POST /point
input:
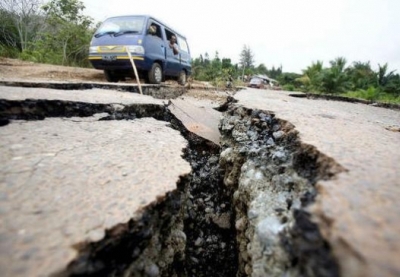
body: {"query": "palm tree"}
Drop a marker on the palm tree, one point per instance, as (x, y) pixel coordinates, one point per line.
(339, 63)
(335, 79)
(383, 76)
(311, 78)
(388, 82)
(361, 75)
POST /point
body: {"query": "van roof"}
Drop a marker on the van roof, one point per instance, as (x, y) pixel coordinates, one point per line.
(149, 17)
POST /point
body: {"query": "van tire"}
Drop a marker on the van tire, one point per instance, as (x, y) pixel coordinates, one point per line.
(110, 76)
(182, 78)
(155, 74)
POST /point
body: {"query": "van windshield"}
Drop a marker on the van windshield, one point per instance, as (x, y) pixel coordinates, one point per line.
(121, 25)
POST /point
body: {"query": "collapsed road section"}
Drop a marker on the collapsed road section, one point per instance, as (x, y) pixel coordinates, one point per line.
(239, 211)
(273, 177)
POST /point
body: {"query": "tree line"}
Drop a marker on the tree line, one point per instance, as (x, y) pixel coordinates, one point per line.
(58, 32)
(206, 69)
(358, 79)
(340, 78)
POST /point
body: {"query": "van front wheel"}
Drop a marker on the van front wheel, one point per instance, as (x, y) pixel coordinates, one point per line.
(110, 76)
(155, 74)
(182, 78)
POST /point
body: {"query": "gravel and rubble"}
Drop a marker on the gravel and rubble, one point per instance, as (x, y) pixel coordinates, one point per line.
(273, 177)
(356, 210)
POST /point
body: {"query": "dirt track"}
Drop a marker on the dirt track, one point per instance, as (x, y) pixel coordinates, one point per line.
(17, 69)
(12, 69)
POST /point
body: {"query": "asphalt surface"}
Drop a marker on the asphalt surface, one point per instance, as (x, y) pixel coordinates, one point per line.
(54, 191)
(199, 119)
(357, 211)
(64, 181)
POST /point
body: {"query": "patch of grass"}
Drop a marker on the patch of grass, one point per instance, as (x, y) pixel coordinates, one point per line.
(288, 87)
(388, 98)
(373, 94)
(8, 52)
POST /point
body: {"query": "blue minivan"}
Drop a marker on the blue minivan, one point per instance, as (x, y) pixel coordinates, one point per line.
(157, 50)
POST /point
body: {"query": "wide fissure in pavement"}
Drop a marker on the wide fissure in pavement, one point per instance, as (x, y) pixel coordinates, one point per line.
(241, 212)
(273, 176)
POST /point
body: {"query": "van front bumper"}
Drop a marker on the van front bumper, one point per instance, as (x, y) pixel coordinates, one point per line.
(113, 62)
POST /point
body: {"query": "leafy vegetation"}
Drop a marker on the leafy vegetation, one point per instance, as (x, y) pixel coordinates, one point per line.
(219, 71)
(58, 32)
(373, 94)
(358, 80)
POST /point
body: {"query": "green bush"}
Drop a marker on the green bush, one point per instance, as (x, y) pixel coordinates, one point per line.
(389, 98)
(8, 52)
(218, 82)
(31, 56)
(289, 87)
(371, 94)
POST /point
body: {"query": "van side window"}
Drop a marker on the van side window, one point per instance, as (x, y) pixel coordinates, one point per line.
(182, 44)
(154, 30)
(169, 34)
(173, 42)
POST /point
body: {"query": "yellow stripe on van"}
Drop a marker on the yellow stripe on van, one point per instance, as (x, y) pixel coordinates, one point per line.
(127, 57)
(118, 58)
(111, 49)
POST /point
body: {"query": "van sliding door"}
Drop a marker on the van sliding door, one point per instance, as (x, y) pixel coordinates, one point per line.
(172, 66)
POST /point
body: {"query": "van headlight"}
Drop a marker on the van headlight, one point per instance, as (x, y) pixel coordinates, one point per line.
(137, 49)
(93, 50)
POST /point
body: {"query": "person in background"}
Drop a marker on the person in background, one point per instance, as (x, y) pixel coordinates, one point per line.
(173, 45)
(229, 81)
(153, 29)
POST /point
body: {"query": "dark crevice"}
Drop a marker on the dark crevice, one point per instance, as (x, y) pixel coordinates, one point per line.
(31, 109)
(221, 219)
(224, 106)
(309, 252)
(209, 218)
(274, 176)
(176, 236)
(123, 248)
(40, 109)
(4, 122)
(162, 241)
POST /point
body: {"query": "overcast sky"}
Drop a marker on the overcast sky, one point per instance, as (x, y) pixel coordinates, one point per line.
(291, 33)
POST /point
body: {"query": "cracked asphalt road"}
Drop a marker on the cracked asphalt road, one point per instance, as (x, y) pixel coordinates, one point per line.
(65, 181)
(357, 211)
